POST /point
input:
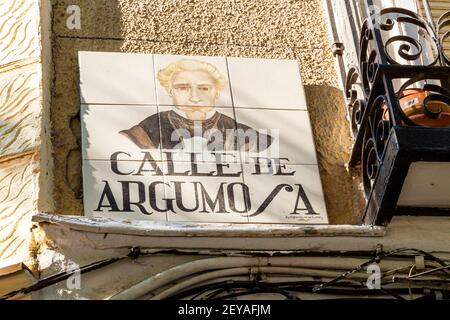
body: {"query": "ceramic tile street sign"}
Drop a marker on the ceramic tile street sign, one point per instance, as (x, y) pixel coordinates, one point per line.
(197, 139)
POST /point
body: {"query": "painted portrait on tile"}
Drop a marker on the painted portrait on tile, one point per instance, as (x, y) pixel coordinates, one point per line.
(194, 87)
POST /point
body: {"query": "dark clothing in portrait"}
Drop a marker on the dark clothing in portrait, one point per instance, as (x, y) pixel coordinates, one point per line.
(168, 129)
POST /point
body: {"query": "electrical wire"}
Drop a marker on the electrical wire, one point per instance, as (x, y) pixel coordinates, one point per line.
(379, 255)
(46, 282)
(427, 272)
(254, 286)
(249, 271)
(287, 295)
(336, 285)
(377, 259)
(203, 292)
(247, 287)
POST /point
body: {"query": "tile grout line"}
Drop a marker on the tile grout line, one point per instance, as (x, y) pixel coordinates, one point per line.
(235, 124)
(169, 105)
(205, 162)
(160, 129)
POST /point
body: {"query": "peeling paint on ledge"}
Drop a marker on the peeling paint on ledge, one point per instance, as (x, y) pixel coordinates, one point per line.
(160, 229)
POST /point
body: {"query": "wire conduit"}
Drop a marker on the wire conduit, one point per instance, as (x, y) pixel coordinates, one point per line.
(166, 277)
(250, 271)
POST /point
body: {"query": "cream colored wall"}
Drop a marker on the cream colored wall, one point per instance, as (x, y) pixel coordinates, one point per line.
(439, 8)
(269, 29)
(265, 28)
(285, 29)
(25, 163)
(78, 242)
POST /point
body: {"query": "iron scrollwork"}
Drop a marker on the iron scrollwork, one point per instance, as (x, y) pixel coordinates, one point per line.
(402, 80)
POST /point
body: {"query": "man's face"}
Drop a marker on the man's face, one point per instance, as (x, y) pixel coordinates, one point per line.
(193, 92)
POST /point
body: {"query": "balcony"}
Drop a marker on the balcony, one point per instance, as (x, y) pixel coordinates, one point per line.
(399, 107)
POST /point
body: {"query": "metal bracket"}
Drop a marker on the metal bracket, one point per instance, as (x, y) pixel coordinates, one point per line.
(338, 48)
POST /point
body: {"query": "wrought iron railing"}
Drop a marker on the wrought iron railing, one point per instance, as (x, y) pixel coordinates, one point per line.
(401, 58)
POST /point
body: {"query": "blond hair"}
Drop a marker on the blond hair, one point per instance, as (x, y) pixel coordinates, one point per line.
(165, 75)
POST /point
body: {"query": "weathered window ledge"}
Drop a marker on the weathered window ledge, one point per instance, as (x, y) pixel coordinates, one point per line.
(189, 229)
(112, 236)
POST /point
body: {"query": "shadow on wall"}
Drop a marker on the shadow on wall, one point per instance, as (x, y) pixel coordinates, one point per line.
(327, 111)
(65, 104)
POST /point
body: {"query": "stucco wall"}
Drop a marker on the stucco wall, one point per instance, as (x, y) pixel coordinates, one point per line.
(288, 29)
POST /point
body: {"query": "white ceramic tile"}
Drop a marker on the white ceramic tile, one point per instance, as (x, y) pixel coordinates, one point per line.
(280, 134)
(211, 137)
(287, 204)
(266, 83)
(121, 91)
(116, 78)
(208, 193)
(426, 185)
(200, 88)
(107, 193)
(103, 131)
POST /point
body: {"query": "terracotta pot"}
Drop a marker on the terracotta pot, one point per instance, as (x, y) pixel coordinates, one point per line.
(411, 103)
